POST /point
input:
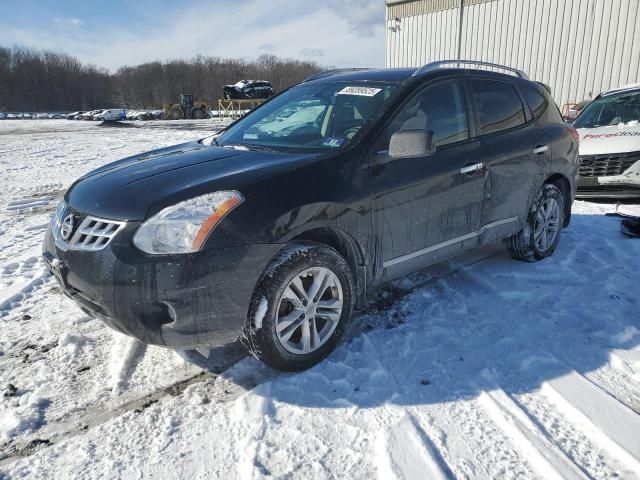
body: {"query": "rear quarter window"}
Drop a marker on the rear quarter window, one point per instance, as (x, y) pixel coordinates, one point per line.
(498, 105)
(536, 101)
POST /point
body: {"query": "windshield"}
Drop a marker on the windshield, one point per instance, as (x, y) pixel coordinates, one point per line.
(617, 109)
(310, 117)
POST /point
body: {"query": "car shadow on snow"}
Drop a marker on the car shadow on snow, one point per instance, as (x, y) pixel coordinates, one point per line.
(459, 328)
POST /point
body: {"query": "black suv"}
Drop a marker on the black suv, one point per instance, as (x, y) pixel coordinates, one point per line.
(248, 89)
(274, 230)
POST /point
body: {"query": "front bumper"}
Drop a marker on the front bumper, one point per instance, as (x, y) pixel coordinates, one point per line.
(592, 187)
(179, 301)
(626, 185)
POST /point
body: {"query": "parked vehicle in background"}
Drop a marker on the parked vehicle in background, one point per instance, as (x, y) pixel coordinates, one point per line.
(27, 116)
(248, 89)
(158, 114)
(3, 115)
(609, 129)
(13, 116)
(111, 115)
(89, 115)
(144, 115)
(188, 108)
(275, 230)
(96, 113)
(42, 116)
(74, 115)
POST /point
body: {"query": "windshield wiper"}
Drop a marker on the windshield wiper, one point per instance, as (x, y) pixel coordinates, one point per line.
(249, 146)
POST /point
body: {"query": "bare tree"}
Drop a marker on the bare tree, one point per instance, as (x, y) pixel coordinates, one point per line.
(35, 80)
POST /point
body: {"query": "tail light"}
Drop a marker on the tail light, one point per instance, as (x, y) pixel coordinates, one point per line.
(574, 133)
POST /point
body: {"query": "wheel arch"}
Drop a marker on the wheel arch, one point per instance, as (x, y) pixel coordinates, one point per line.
(346, 246)
(563, 184)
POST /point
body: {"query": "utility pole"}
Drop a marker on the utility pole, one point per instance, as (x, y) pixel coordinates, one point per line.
(460, 30)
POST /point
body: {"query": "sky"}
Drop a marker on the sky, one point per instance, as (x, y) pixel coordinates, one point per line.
(110, 34)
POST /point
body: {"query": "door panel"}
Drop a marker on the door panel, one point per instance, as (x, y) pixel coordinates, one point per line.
(515, 174)
(507, 149)
(424, 208)
(424, 202)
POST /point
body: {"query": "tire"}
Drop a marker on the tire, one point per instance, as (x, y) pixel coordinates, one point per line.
(197, 114)
(299, 265)
(174, 114)
(532, 243)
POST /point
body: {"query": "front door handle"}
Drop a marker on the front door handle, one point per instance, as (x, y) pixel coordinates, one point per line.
(540, 149)
(472, 168)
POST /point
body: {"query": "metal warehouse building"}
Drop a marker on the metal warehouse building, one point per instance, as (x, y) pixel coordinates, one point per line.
(578, 47)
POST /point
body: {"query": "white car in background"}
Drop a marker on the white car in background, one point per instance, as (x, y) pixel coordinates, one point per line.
(74, 115)
(609, 129)
(111, 115)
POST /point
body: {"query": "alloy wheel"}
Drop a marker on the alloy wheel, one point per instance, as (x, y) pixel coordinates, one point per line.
(547, 224)
(309, 310)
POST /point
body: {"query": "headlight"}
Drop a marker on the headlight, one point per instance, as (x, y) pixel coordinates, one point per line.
(184, 227)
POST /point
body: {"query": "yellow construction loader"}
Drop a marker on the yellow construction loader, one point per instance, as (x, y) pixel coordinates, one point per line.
(189, 107)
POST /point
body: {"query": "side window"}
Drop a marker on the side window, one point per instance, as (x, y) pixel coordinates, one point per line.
(498, 104)
(536, 101)
(439, 108)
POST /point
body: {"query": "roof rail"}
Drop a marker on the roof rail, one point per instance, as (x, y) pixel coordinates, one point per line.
(335, 71)
(429, 67)
(633, 86)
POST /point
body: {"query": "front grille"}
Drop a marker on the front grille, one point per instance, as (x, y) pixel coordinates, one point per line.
(607, 165)
(94, 233)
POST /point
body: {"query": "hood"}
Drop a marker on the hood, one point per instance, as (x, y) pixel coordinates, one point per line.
(609, 139)
(134, 188)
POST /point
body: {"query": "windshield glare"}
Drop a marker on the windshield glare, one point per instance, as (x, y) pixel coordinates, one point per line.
(310, 117)
(617, 109)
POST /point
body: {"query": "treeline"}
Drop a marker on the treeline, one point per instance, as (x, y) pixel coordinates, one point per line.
(32, 80)
(36, 80)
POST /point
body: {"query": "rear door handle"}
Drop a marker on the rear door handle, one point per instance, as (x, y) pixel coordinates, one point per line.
(472, 168)
(540, 149)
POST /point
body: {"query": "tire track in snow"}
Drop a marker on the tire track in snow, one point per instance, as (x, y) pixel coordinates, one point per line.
(612, 425)
(406, 452)
(594, 428)
(535, 446)
(221, 391)
(588, 396)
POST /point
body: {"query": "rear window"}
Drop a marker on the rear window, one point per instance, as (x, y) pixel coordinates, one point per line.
(498, 104)
(536, 101)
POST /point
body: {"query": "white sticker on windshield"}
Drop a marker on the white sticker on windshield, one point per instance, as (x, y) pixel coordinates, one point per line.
(361, 91)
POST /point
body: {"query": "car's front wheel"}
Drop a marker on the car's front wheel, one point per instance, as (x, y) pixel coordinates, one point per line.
(197, 114)
(300, 308)
(541, 234)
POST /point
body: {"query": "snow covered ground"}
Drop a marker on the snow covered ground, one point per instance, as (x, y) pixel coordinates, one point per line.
(482, 367)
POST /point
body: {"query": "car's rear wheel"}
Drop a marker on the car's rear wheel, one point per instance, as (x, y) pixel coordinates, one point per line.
(541, 234)
(300, 308)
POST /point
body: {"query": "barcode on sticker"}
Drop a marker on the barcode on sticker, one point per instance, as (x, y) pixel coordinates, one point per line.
(362, 91)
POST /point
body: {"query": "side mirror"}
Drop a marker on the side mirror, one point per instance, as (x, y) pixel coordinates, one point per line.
(572, 114)
(412, 144)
